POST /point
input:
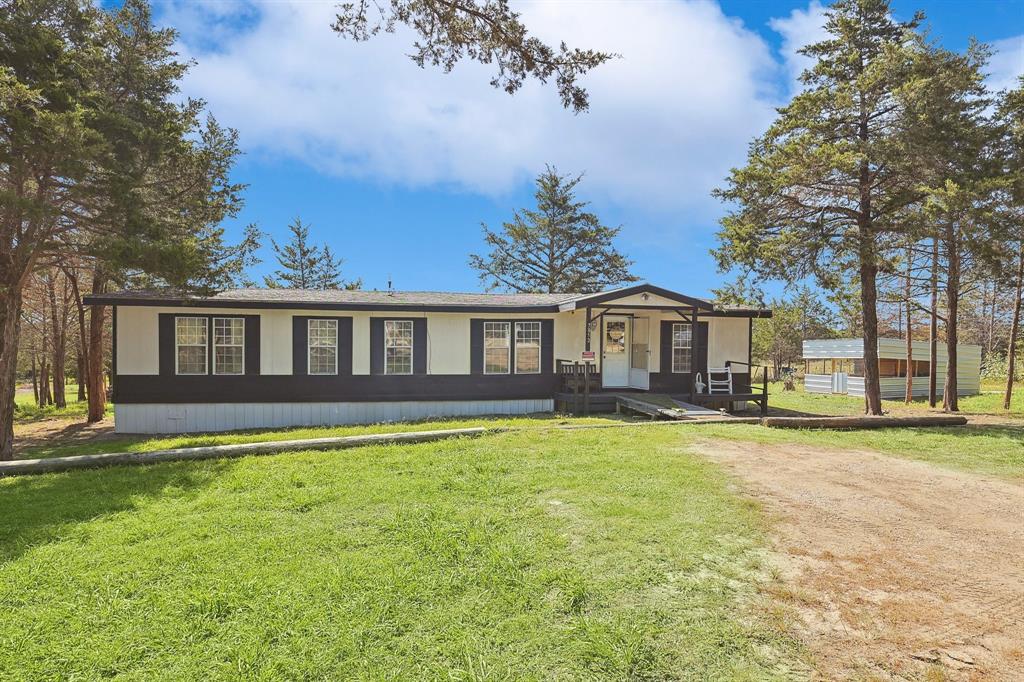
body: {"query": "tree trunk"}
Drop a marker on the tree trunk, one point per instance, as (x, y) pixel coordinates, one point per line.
(80, 375)
(1011, 353)
(949, 391)
(868, 273)
(10, 328)
(97, 392)
(95, 389)
(933, 330)
(45, 397)
(59, 336)
(35, 380)
(909, 397)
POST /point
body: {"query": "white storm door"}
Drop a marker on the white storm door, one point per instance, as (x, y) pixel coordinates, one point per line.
(615, 352)
(640, 353)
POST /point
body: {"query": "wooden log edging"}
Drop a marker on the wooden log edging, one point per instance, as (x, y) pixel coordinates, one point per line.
(862, 422)
(54, 464)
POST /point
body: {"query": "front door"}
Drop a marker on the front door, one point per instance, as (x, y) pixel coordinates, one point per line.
(615, 352)
(639, 353)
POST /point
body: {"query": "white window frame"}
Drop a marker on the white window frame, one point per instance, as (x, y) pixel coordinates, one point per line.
(412, 346)
(540, 344)
(206, 346)
(309, 347)
(674, 348)
(212, 331)
(508, 347)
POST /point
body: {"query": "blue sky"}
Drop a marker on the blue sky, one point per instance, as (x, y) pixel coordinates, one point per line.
(396, 167)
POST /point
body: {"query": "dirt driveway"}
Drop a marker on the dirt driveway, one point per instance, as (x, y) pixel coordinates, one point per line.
(897, 569)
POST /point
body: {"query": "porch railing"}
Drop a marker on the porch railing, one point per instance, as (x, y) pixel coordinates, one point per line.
(750, 387)
(578, 378)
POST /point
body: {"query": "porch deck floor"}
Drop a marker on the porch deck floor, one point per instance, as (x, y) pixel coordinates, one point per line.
(655, 405)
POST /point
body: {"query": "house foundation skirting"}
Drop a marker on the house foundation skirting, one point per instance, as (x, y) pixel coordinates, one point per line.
(204, 417)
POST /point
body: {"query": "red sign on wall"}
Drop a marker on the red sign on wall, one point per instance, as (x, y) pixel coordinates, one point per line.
(588, 355)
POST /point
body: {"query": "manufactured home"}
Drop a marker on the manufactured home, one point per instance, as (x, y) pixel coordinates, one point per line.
(837, 366)
(252, 358)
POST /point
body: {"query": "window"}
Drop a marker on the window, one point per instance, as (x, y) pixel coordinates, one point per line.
(922, 368)
(527, 347)
(497, 346)
(682, 341)
(615, 337)
(228, 345)
(398, 346)
(190, 345)
(322, 339)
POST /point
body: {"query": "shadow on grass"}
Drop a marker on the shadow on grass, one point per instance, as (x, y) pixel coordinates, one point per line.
(36, 510)
(1008, 431)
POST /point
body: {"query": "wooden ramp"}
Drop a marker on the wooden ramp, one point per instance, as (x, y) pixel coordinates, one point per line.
(661, 406)
(652, 404)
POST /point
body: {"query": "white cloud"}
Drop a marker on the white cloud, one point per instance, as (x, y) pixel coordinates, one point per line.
(799, 29)
(1007, 63)
(666, 121)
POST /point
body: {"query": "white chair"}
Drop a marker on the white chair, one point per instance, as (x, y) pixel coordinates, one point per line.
(717, 384)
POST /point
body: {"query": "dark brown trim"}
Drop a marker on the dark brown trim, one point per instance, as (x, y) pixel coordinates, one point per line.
(757, 314)
(165, 343)
(601, 297)
(300, 345)
(750, 345)
(420, 338)
(273, 388)
(476, 346)
(113, 354)
(423, 308)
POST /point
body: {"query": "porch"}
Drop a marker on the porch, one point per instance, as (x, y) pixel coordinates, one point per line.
(581, 392)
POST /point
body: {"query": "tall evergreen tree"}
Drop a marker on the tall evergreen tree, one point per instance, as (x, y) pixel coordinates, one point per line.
(951, 137)
(305, 265)
(101, 161)
(559, 246)
(1011, 213)
(824, 187)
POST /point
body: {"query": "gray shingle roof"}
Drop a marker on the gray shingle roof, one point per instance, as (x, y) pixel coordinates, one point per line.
(343, 297)
(391, 300)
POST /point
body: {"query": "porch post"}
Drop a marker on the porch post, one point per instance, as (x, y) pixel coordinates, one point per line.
(694, 337)
(587, 338)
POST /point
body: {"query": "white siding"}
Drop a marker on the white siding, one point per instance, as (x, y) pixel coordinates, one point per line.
(205, 417)
(448, 337)
(728, 339)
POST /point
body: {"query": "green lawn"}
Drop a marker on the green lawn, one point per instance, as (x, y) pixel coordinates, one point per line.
(143, 443)
(983, 447)
(26, 410)
(996, 449)
(604, 553)
(989, 402)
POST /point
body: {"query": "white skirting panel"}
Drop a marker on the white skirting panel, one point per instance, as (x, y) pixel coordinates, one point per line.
(818, 383)
(204, 417)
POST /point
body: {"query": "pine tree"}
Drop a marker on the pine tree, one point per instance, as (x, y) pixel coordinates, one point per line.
(823, 189)
(328, 273)
(557, 247)
(305, 265)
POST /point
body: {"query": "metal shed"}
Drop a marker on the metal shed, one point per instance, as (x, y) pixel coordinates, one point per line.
(837, 366)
